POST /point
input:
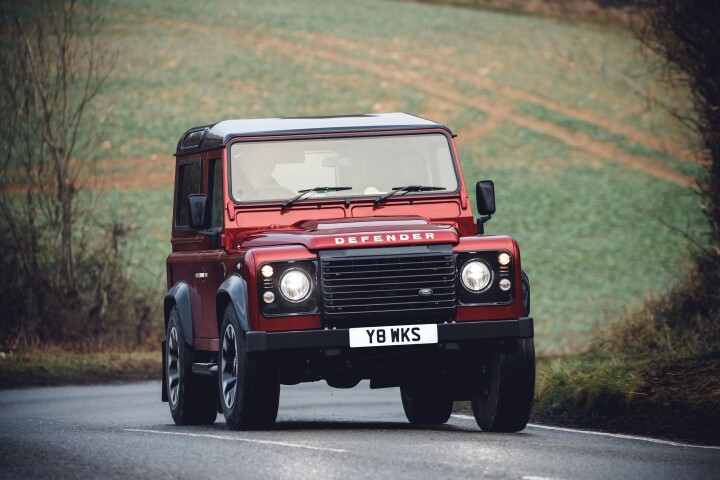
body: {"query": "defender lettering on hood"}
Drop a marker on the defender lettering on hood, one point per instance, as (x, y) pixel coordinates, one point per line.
(402, 237)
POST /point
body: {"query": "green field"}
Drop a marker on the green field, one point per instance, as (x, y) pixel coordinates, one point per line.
(570, 122)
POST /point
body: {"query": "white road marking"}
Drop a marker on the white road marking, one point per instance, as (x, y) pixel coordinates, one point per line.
(239, 439)
(530, 477)
(606, 434)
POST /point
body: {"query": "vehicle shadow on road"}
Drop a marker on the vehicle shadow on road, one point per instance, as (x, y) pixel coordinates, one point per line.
(369, 425)
(333, 425)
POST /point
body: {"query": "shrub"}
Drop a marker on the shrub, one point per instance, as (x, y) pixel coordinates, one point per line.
(61, 268)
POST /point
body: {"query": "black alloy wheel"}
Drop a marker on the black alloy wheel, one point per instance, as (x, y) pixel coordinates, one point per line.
(249, 387)
(192, 397)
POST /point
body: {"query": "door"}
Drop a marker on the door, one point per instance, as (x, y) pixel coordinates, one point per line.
(187, 244)
(211, 267)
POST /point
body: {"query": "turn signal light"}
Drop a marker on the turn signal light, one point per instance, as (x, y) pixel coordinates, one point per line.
(267, 271)
(503, 259)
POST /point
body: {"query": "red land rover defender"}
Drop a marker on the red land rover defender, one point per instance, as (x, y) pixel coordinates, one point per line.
(339, 249)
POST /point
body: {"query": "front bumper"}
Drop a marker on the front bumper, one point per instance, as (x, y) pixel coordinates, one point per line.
(340, 337)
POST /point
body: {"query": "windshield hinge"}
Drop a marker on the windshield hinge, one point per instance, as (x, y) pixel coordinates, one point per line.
(231, 211)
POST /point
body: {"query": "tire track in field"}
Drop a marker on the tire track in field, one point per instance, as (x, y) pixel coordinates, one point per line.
(156, 170)
(153, 171)
(500, 112)
(434, 88)
(629, 132)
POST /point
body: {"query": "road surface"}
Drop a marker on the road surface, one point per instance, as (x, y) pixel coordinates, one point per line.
(126, 432)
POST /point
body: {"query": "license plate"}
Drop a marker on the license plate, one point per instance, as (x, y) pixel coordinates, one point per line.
(394, 335)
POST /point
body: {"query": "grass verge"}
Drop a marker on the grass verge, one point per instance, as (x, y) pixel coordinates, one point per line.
(41, 367)
(675, 398)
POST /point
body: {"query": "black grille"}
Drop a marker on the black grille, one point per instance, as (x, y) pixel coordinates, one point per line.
(417, 281)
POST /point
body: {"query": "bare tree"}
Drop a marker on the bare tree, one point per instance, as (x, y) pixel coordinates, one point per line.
(684, 34)
(53, 67)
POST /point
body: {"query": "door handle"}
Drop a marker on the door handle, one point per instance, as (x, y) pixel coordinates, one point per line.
(201, 275)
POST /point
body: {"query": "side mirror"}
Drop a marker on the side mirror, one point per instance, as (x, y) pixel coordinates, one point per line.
(485, 194)
(199, 214)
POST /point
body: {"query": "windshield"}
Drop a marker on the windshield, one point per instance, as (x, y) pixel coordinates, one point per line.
(371, 166)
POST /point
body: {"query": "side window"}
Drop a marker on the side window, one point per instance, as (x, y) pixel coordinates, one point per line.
(215, 187)
(188, 182)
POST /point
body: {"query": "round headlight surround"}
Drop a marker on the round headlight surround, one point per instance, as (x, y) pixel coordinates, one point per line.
(476, 276)
(295, 285)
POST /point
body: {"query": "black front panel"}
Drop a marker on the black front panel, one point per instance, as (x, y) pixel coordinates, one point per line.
(369, 285)
(281, 306)
(493, 295)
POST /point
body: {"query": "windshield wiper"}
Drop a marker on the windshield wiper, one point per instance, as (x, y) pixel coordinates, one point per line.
(303, 194)
(406, 189)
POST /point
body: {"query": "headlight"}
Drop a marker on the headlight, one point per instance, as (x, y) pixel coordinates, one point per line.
(476, 276)
(295, 285)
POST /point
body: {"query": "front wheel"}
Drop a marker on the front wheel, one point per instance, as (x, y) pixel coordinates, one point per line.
(425, 403)
(249, 387)
(502, 394)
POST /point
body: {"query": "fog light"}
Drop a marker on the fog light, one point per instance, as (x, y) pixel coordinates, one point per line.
(505, 285)
(267, 271)
(269, 297)
(503, 259)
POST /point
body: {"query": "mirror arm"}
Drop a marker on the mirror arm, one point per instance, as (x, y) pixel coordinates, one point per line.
(481, 223)
(214, 235)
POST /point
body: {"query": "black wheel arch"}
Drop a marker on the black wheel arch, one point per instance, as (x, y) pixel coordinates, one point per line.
(179, 296)
(525, 293)
(233, 291)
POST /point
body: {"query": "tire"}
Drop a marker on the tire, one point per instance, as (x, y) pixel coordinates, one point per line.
(502, 395)
(525, 294)
(424, 403)
(249, 387)
(192, 398)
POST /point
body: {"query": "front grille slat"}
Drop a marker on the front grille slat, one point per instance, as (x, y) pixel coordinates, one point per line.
(386, 272)
(349, 278)
(375, 284)
(439, 297)
(384, 267)
(386, 305)
(438, 290)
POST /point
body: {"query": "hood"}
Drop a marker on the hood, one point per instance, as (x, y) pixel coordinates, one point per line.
(355, 232)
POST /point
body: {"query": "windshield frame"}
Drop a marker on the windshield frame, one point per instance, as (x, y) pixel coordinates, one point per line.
(345, 198)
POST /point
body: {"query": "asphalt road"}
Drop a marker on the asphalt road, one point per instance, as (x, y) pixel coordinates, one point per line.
(126, 432)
